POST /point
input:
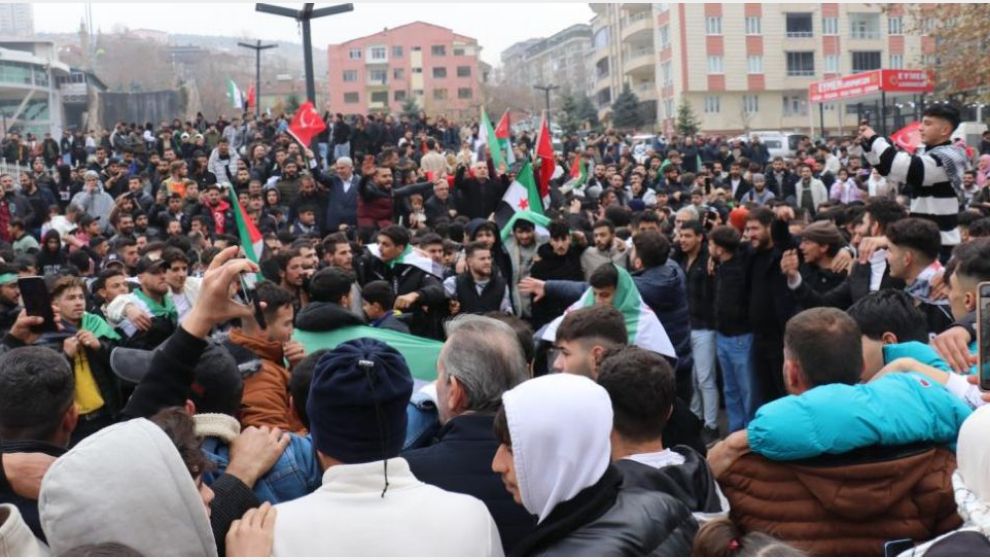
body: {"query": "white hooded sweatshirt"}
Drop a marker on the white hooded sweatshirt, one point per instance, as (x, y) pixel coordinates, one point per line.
(125, 484)
(560, 426)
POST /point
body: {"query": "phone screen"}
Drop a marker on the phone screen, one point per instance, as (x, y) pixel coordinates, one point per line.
(37, 302)
(983, 333)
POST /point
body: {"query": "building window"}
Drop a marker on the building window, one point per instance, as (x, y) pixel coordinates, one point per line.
(399, 95)
(398, 74)
(795, 105)
(801, 63)
(832, 63)
(712, 104)
(377, 76)
(418, 92)
(459, 51)
(417, 49)
(799, 25)
(463, 71)
(438, 50)
(715, 65)
(378, 53)
(669, 108)
(465, 93)
(754, 64)
(662, 6)
(830, 26)
(895, 25)
(864, 26)
(601, 69)
(751, 103)
(928, 25)
(897, 61)
(439, 72)
(417, 70)
(354, 54)
(379, 97)
(753, 25)
(600, 40)
(439, 94)
(604, 97)
(863, 61)
(350, 75)
(396, 52)
(663, 37)
(713, 25)
(351, 97)
(667, 73)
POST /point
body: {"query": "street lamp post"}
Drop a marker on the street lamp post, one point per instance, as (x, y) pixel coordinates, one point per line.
(304, 16)
(257, 71)
(546, 92)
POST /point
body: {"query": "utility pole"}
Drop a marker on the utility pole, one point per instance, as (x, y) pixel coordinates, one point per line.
(546, 92)
(304, 16)
(257, 71)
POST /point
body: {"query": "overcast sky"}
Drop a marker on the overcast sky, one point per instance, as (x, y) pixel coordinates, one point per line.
(495, 25)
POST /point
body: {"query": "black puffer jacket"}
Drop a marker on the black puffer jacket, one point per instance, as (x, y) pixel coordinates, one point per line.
(691, 482)
(612, 520)
(321, 316)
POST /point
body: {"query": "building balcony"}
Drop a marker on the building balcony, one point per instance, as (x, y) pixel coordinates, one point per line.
(640, 62)
(639, 26)
(645, 91)
(632, 8)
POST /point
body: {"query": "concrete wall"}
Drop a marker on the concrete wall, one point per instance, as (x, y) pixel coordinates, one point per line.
(142, 107)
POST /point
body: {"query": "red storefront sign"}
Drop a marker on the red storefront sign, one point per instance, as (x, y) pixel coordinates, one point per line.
(866, 83)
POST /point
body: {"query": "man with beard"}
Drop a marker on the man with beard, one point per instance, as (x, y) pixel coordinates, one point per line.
(378, 200)
(337, 252)
(218, 213)
(312, 197)
(521, 248)
(39, 199)
(154, 301)
(223, 162)
(10, 297)
(478, 290)
(820, 243)
(13, 205)
(780, 180)
(558, 259)
(604, 250)
(478, 196)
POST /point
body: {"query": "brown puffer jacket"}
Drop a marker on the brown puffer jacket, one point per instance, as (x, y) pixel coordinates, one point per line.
(846, 505)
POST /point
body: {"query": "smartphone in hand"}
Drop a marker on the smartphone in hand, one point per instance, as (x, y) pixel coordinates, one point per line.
(37, 302)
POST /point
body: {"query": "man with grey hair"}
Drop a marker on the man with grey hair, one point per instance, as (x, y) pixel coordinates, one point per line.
(342, 210)
(480, 360)
(93, 200)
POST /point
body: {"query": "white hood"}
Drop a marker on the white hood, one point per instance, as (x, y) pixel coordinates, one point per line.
(560, 426)
(125, 484)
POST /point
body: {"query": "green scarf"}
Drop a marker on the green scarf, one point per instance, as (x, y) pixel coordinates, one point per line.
(158, 310)
(96, 325)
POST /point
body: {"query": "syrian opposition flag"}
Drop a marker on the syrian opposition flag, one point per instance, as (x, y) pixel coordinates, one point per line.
(539, 220)
(642, 325)
(420, 353)
(503, 133)
(579, 175)
(251, 240)
(521, 196)
(544, 151)
(306, 124)
(487, 136)
(235, 95)
(412, 256)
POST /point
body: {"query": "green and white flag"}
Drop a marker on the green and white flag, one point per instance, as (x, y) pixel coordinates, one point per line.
(486, 133)
(412, 256)
(420, 353)
(523, 194)
(235, 95)
(642, 325)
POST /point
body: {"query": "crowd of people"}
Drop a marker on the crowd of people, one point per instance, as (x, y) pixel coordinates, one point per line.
(693, 349)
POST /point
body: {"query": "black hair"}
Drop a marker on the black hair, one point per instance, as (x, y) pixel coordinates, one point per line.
(827, 344)
(397, 234)
(944, 111)
(762, 214)
(885, 211)
(274, 296)
(980, 228)
(606, 223)
(558, 230)
(602, 322)
(331, 284)
(37, 386)
(891, 311)
(972, 259)
(919, 234)
(299, 382)
(605, 276)
(379, 292)
(652, 248)
(693, 225)
(641, 386)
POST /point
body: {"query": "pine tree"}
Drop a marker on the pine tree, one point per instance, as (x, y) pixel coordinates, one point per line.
(587, 111)
(687, 123)
(410, 109)
(567, 116)
(625, 110)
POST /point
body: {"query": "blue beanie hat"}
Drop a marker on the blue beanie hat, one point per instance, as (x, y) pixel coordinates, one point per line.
(352, 408)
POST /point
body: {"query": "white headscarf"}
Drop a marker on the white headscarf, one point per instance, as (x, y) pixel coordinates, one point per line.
(560, 426)
(971, 480)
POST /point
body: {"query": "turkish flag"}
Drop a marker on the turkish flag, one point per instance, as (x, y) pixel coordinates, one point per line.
(544, 151)
(908, 138)
(250, 97)
(306, 124)
(502, 130)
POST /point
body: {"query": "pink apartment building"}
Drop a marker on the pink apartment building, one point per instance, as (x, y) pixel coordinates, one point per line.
(432, 65)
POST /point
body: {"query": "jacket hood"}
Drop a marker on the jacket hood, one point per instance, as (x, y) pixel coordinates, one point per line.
(127, 484)
(560, 426)
(865, 490)
(325, 316)
(691, 482)
(16, 538)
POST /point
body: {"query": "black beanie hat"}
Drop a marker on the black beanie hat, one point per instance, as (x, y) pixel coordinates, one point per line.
(357, 399)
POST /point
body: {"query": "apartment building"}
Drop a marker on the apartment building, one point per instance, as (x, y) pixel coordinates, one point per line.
(560, 59)
(749, 66)
(430, 64)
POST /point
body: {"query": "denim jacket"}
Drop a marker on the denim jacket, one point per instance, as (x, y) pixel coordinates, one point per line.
(296, 473)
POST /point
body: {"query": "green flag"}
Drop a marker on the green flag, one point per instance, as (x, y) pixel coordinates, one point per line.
(487, 133)
(420, 353)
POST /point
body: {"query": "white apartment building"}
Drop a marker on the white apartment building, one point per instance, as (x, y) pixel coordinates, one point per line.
(748, 66)
(560, 59)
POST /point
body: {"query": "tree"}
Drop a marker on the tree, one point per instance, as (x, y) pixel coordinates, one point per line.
(292, 103)
(587, 112)
(410, 109)
(625, 110)
(687, 123)
(567, 116)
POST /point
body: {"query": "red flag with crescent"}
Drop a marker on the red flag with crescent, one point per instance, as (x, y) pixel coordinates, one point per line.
(306, 124)
(908, 138)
